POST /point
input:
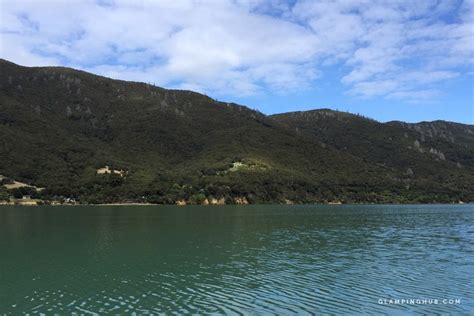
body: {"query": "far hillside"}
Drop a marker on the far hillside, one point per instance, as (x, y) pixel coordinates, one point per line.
(92, 139)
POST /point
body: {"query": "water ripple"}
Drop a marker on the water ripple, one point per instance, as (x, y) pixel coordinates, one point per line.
(283, 262)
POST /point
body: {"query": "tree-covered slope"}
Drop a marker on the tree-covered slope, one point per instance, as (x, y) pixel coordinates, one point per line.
(438, 155)
(59, 126)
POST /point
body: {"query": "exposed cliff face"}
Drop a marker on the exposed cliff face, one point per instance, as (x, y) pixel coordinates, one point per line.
(449, 131)
(59, 126)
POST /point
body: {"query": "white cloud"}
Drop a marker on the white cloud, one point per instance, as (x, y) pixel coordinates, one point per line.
(393, 49)
(414, 96)
(399, 49)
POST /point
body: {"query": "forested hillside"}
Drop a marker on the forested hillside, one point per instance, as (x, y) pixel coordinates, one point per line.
(97, 140)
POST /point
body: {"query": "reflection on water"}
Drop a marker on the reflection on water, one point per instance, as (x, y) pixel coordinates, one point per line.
(234, 260)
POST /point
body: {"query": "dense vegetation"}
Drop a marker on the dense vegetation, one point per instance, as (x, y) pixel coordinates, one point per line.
(59, 126)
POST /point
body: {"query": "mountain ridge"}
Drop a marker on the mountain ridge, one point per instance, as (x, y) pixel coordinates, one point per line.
(63, 68)
(59, 126)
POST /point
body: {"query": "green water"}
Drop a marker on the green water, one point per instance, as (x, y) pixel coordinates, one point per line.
(236, 260)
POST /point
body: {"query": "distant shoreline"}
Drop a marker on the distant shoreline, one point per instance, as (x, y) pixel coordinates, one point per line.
(276, 204)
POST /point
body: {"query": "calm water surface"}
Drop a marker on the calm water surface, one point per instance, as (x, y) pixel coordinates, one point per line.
(236, 260)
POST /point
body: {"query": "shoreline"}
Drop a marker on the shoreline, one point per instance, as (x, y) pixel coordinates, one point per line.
(180, 205)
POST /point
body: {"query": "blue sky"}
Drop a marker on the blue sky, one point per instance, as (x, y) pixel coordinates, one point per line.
(389, 60)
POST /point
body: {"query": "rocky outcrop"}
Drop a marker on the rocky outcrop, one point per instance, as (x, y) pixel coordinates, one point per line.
(241, 200)
(214, 201)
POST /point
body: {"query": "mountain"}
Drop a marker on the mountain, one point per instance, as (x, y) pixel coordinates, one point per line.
(438, 155)
(99, 140)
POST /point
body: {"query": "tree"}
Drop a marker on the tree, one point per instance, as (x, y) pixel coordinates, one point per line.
(4, 195)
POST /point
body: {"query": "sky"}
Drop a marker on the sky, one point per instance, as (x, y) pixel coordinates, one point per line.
(389, 60)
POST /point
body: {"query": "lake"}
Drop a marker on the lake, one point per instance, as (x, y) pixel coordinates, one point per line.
(339, 259)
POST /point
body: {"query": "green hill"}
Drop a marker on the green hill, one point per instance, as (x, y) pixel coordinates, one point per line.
(59, 127)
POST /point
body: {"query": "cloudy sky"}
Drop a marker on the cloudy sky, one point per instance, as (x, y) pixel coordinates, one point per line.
(389, 60)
